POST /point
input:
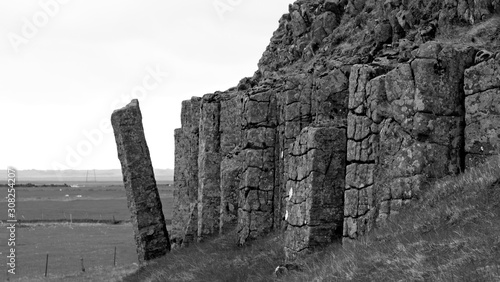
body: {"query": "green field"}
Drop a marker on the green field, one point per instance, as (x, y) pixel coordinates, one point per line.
(41, 208)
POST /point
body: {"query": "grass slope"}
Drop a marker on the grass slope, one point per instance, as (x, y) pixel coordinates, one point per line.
(218, 259)
(450, 234)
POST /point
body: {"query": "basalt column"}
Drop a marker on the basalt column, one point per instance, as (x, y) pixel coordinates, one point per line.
(293, 100)
(315, 206)
(209, 161)
(405, 129)
(315, 162)
(365, 94)
(231, 164)
(256, 191)
(422, 138)
(482, 104)
(185, 211)
(143, 200)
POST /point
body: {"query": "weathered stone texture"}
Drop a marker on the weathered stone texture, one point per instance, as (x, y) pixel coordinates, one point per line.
(482, 104)
(232, 163)
(330, 96)
(304, 99)
(468, 11)
(315, 185)
(209, 160)
(366, 94)
(422, 137)
(256, 191)
(405, 128)
(293, 114)
(401, 101)
(185, 210)
(143, 199)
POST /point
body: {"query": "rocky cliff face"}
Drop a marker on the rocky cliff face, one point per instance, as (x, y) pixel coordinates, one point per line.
(355, 108)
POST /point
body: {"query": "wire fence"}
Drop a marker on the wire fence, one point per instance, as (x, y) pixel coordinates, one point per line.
(64, 265)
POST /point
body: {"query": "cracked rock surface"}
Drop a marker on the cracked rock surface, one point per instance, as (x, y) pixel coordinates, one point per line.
(315, 185)
(401, 92)
(143, 199)
(482, 104)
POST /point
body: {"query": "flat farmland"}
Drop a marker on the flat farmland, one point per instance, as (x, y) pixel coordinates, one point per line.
(82, 203)
(41, 210)
(66, 245)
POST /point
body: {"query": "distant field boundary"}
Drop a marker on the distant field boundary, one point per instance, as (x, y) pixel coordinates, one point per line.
(101, 221)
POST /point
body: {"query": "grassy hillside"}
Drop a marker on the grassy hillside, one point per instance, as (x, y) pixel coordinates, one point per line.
(449, 234)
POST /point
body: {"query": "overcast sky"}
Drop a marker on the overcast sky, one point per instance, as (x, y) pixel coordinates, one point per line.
(66, 65)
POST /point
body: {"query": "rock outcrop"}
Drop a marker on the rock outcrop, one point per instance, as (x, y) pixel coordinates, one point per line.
(143, 200)
(356, 107)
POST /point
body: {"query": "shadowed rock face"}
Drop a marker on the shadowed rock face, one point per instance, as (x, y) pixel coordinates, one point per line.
(143, 199)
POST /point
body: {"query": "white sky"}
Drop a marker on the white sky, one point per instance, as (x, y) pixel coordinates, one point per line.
(83, 57)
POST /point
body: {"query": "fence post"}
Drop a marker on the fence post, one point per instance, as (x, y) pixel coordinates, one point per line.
(83, 267)
(46, 264)
(114, 258)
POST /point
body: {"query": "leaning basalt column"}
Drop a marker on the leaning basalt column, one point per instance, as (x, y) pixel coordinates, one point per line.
(209, 161)
(316, 179)
(185, 212)
(143, 199)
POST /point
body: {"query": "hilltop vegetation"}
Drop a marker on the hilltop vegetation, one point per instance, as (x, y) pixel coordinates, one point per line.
(449, 234)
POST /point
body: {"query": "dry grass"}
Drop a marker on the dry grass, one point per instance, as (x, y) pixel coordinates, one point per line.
(95, 274)
(218, 259)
